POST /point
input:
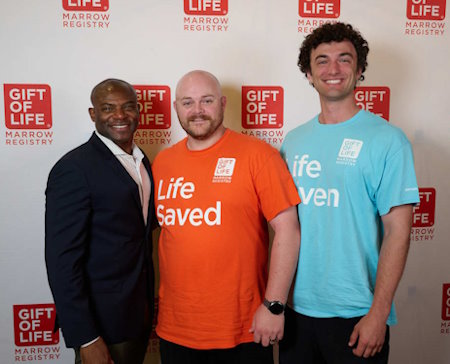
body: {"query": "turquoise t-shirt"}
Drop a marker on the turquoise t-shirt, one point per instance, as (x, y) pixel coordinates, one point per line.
(347, 175)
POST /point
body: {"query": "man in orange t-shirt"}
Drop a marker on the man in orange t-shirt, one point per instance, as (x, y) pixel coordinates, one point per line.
(215, 192)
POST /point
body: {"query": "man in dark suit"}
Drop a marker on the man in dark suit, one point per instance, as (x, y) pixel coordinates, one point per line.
(98, 222)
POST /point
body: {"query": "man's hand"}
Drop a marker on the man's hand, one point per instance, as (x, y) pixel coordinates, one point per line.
(96, 353)
(370, 333)
(267, 328)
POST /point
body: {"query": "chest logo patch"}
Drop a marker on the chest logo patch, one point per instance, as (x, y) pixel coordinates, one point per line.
(224, 170)
(349, 152)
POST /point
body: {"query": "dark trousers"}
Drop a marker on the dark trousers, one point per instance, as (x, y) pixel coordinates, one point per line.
(309, 340)
(247, 353)
(127, 352)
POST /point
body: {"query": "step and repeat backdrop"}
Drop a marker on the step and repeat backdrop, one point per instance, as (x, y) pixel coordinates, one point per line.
(54, 51)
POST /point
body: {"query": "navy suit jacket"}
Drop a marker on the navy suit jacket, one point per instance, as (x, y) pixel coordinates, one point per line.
(98, 250)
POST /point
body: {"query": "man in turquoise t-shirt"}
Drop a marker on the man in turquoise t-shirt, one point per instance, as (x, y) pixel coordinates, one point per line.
(355, 175)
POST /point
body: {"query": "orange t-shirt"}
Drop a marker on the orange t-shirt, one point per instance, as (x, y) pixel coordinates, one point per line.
(213, 206)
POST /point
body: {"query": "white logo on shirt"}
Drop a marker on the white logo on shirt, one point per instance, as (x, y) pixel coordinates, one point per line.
(349, 152)
(224, 170)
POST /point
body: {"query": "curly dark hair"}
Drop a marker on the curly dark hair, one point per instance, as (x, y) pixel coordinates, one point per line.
(333, 32)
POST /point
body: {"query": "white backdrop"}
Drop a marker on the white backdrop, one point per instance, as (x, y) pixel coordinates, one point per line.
(54, 52)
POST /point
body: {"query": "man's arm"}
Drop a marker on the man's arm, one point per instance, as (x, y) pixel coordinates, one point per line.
(283, 263)
(371, 329)
(67, 221)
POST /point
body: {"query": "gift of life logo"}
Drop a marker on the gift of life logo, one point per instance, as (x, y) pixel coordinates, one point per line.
(262, 107)
(446, 302)
(225, 167)
(373, 99)
(319, 8)
(350, 148)
(224, 170)
(349, 152)
(154, 106)
(33, 325)
(27, 106)
(425, 9)
(86, 14)
(206, 7)
(423, 212)
(86, 5)
(205, 15)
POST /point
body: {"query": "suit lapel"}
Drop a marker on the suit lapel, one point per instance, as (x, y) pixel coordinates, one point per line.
(117, 167)
(150, 214)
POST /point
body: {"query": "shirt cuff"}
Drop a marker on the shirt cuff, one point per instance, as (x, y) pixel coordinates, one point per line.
(90, 342)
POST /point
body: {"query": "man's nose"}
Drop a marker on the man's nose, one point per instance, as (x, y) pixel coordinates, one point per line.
(334, 67)
(198, 108)
(119, 113)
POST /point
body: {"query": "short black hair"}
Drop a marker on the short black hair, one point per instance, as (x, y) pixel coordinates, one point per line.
(110, 82)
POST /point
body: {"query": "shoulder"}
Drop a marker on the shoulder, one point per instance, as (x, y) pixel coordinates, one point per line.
(87, 156)
(299, 133)
(382, 132)
(169, 152)
(301, 129)
(250, 144)
(258, 154)
(69, 170)
(76, 155)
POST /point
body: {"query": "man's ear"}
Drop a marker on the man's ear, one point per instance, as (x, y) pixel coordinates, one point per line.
(223, 101)
(92, 113)
(309, 77)
(358, 75)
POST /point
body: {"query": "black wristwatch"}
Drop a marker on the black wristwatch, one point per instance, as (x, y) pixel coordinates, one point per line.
(276, 307)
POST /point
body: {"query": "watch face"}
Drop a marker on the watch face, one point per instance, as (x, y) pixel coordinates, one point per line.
(276, 308)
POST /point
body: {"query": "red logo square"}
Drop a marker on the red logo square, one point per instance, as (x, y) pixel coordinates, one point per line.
(423, 213)
(374, 99)
(319, 8)
(27, 106)
(206, 7)
(86, 5)
(262, 107)
(446, 302)
(154, 106)
(33, 325)
(425, 9)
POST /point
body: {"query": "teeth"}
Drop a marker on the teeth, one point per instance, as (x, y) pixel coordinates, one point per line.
(119, 126)
(333, 82)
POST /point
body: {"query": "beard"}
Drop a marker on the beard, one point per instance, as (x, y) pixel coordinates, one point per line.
(205, 131)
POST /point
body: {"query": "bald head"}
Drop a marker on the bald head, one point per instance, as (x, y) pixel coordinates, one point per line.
(200, 107)
(108, 86)
(198, 77)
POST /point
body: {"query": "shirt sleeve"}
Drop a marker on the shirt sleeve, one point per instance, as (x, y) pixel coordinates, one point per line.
(398, 185)
(274, 185)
